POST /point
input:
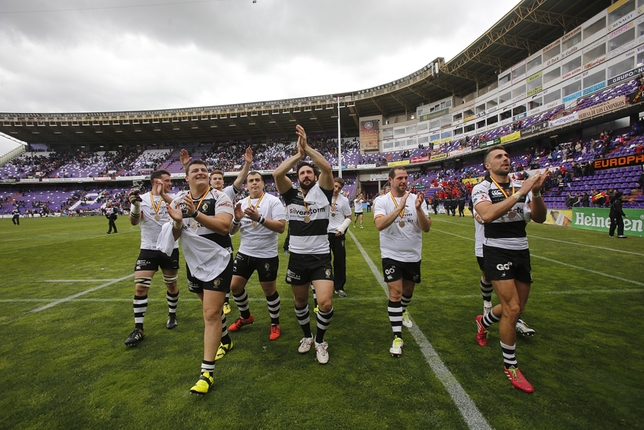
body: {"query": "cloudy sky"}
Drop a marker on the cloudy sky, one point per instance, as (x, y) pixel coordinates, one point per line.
(121, 55)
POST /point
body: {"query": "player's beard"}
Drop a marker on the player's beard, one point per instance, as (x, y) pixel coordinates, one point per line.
(400, 190)
(308, 186)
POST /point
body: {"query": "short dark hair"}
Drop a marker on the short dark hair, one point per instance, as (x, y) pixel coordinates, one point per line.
(216, 172)
(339, 181)
(254, 172)
(203, 163)
(301, 164)
(494, 148)
(392, 171)
(157, 174)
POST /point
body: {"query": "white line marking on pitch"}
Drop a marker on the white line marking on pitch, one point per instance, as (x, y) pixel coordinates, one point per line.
(79, 280)
(358, 299)
(462, 400)
(583, 269)
(564, 241)
(603, 248)
(82, 293)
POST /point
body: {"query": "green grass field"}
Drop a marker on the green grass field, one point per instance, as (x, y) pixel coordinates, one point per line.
(67, 308)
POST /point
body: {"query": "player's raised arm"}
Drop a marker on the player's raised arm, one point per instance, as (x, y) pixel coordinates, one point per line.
(241, 176)
(326, 173)
(185, 159)
(537, 205)
(282, 182)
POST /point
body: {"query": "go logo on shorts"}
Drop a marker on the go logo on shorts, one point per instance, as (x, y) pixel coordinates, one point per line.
(505, 266)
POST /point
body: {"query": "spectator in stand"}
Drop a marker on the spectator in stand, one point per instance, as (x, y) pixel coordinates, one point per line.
(639, 148)
(585, 200)
(578, 147)
(593, 145)
(560, 185)
(576, 170)
(576, 200)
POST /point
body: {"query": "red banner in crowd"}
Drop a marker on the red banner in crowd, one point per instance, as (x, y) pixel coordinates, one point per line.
(419, 159)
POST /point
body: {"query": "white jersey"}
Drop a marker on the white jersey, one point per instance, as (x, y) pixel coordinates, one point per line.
(400, 243)
(206, 252)
(357, 205)
(231, 192)
(153, 220)
(256, 240)
(213, 203)
(507, 231)
(479, 235)
(308, 220)
(340, 210)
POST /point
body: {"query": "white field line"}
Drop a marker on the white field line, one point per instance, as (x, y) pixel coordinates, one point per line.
(603, 248)
(357, 299)
(61, 281)
(466, 406)
(82, 293)
(583, 269)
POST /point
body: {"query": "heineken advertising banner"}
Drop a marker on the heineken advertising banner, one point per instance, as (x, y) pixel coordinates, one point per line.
(597, 219)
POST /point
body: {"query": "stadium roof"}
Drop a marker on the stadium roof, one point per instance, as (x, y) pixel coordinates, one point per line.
(529, 27)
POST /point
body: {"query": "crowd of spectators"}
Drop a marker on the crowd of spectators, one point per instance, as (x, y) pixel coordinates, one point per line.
(63, 164)
(447, 186)
(596, 198)
(564, 159)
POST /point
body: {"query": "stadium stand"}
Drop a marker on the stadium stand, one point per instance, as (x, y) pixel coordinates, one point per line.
(575, 100)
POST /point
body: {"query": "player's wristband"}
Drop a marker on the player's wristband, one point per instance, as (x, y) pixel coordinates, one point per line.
(177, 225)
(261, 220)
(195, 215)
(537, 194)
(517, 195)
(235, 222)
(135, 215)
